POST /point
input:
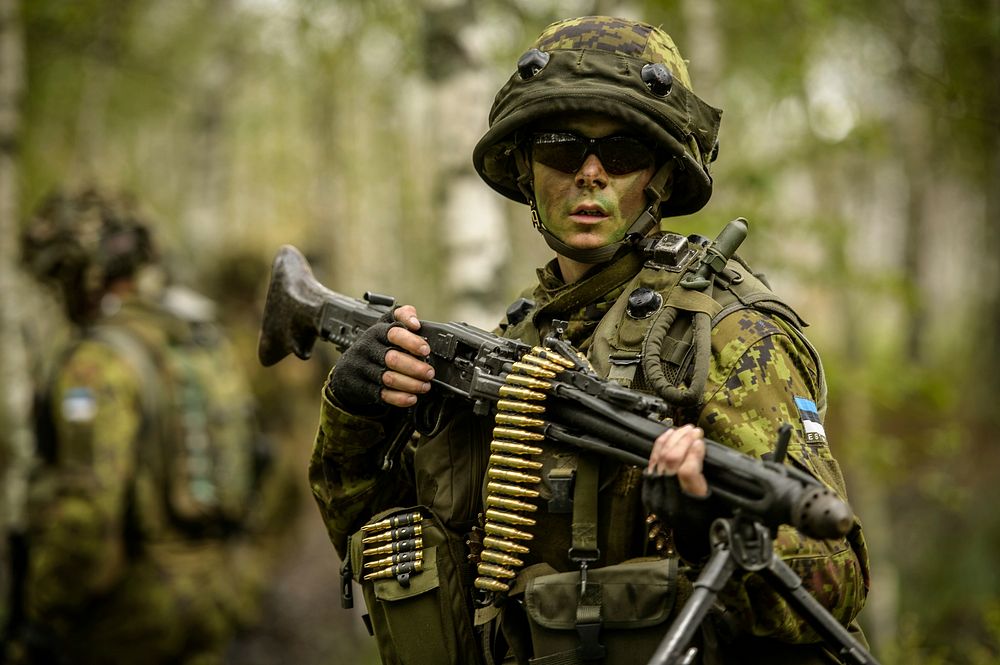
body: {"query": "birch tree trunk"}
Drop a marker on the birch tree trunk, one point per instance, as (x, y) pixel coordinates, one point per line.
(704, 46)
(205, 221)
(914, 130)
(15, 434)
(99, 67)
(991, 221)
(475, 235)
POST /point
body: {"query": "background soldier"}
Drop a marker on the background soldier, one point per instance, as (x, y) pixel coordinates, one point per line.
(598, 131)
(142, 506)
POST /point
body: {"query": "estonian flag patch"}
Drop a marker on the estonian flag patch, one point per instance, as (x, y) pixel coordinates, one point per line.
(810, 420)
(79, 405)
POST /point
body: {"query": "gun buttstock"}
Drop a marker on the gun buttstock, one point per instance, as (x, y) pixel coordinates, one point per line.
(291, 309)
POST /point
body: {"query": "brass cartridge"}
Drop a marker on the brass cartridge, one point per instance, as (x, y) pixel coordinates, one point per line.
(546, 354)
(395, 547)
(544, 363)
(402, 533)
(519, 406)
(502, 559)
(521, 393)
(498, 572)
(393, 571)
(393, 522)
(490, 584)
(511, 490)
(495, 501)
(504, 545)
(514, 448)
(494, 529)
(518, 420)
(402, 557)
(516, 434)
(514, 462)
(496, 473)
(508, 517)
(531, 370)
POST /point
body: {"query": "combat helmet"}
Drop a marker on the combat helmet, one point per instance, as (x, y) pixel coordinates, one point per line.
(627, 70)
(80, 241)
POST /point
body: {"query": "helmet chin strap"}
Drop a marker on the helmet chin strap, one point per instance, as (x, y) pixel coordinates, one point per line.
(656, 191)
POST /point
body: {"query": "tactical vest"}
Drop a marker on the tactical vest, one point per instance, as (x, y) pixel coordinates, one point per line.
(606, 600)
(656, 337)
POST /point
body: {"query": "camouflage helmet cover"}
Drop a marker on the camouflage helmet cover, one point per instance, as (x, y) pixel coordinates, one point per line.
(595, 64)
(82, 240)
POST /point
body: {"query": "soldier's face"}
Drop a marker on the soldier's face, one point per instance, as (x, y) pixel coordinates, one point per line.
(589, 207)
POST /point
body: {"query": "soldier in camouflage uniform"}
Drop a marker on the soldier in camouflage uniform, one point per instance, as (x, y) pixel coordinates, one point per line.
(599, 133)
(137, 509)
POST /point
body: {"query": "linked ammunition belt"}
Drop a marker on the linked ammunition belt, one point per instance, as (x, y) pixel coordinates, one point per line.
(393, 547)
(511, 483)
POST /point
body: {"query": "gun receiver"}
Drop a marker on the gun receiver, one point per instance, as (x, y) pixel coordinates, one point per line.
(582, 409)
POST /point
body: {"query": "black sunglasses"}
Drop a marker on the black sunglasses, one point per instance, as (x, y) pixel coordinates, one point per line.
(566, 152)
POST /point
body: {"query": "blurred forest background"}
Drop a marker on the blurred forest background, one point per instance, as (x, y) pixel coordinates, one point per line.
(861, 139)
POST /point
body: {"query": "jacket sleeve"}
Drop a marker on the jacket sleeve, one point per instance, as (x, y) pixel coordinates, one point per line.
(77, 502)
(345, 470)
(762, 376)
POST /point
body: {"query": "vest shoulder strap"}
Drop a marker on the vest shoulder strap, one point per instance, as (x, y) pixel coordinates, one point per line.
(628, 333)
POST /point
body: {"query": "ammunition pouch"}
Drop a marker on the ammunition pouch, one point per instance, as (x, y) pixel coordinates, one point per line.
(618, 618)
(423, 614)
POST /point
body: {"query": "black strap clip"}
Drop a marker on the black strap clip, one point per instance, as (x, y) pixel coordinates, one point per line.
(561, 484)
(588, 618)
(346, 584)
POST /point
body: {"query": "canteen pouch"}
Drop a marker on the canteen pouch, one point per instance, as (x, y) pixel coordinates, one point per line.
(633, 599)
(426, 619)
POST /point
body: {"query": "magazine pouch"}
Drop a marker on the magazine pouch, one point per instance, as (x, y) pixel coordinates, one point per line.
(618, 617)
(410, 568)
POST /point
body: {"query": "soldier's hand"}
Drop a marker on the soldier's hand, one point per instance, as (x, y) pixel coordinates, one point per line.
(385, 366)
(680, 452)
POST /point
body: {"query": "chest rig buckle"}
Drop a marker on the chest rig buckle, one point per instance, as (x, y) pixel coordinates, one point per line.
(670, 252)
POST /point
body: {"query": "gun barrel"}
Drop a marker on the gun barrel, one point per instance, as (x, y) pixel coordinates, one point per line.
(778, 493)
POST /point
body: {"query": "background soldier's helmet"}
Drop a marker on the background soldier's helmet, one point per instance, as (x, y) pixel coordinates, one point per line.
(81, 241)
(624, 69)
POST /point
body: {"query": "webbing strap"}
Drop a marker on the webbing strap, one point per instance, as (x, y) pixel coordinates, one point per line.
(585, 551)
(588, 624)
(139, 357)
(693, 301)
(590, 288)
(584, 545)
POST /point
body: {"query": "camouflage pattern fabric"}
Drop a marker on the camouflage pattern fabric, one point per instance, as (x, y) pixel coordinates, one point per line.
(598, 293)
(345, 472)
(761, 375)
(760, 371)
(111, 579)
(614, 35)
(594, 65)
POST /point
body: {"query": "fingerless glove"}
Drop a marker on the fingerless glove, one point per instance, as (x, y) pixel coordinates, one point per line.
(356, 380)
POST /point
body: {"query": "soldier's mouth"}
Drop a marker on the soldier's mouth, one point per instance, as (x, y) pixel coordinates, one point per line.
(588, 213)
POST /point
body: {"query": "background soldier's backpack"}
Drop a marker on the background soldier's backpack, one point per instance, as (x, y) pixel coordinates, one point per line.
(202, 456)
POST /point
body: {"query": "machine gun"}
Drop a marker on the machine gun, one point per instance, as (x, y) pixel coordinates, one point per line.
(549, 393)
